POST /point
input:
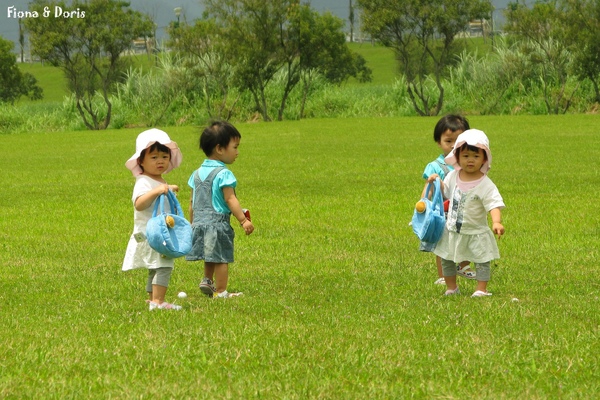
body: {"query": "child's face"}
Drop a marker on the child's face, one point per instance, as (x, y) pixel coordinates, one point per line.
(447, 141)
(471, 161)
(228, 154)
(155, 163)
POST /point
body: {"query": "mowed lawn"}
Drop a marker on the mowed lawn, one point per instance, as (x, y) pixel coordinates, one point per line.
(338, 302)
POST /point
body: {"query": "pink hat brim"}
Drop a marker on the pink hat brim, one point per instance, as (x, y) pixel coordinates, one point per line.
(147, 139)
(472, 137)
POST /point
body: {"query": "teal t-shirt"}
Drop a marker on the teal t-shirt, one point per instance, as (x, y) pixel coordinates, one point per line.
(223, 179)
(434, 167)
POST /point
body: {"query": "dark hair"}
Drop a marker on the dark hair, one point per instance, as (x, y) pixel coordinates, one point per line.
(217, 133)
(452, 122)
(468, 147)
(154, 146)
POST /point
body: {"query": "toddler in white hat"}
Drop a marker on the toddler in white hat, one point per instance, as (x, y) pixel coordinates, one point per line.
(472, 195)
(155, 154)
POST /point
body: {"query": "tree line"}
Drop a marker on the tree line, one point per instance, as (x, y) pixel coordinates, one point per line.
(239, 47)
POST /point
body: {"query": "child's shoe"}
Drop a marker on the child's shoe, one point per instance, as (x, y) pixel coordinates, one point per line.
(207, 287)
(466, 272)
(225, 295)
(440, 281)
(480, 293)
(163, 306)
(452, 292)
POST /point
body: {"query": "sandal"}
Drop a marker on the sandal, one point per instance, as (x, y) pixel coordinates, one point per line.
(466, 272)
(163, 306)
(450, 292)
(225, 295)
(440, 281)
(480, 293)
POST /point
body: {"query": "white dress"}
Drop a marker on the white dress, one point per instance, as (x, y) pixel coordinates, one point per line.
(139, 254)
(467, 235)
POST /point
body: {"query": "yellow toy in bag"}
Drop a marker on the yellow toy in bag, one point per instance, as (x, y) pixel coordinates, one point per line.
(170, 234)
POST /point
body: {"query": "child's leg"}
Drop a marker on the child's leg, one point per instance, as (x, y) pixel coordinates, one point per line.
(484, 273)
(209, 270)
(151, 273)
(438, 262)
(449, 271)
(221, 276)
(160, 283)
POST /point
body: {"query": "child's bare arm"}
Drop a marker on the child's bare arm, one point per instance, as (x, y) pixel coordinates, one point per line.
(236, 209)
(146, 200)
(191, 209)
(497, 226)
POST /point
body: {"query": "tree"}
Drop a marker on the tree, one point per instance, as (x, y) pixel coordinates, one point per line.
(252, 32)
(542, 33)
(14, 83)
(582, 23)
(260, 39)
(323, 49)
(205, 57)
(422, 33)
(87, 46)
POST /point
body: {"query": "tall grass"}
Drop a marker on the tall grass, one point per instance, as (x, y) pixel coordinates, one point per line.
(169, 90)
(338, 301)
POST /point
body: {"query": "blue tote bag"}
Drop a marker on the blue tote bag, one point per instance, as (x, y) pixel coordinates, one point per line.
(170, 234)
(428, 224)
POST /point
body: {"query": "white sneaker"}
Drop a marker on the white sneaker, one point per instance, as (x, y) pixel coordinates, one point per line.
(207, 287)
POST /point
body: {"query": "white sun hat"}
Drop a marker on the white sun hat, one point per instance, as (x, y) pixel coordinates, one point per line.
(472, 137)
(147, 139)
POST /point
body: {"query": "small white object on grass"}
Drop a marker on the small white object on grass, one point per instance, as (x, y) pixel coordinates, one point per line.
(182, 295)
(514, 299)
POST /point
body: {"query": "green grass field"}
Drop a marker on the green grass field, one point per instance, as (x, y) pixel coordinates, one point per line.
(338, 304)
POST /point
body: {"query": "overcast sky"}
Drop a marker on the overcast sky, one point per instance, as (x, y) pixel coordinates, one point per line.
(162, 12)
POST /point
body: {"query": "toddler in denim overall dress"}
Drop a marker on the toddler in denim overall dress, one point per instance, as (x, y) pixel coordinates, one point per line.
(213, 234)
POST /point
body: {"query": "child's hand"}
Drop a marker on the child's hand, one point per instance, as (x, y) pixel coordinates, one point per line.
(432, 178)
(498, 229)
(174, 188)
(162, 189)
(248, 226)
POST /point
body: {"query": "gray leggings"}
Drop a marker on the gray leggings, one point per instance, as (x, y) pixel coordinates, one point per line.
(158, 276)
(484, 272)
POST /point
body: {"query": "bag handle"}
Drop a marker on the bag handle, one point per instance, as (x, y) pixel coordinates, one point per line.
(175, 206)
(436, 199)
(159, 204)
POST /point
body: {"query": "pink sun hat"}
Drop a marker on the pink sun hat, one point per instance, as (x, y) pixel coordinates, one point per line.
(147, 139)
(472, 137)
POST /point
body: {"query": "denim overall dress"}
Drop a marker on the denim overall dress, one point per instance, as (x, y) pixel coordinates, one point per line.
(212, 232)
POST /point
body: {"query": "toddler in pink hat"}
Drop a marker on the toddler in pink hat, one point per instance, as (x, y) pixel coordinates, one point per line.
(155, 155)
(472, 195)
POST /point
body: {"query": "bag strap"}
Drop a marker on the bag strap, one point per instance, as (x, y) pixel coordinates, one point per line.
(437, 198)
(159, 204)
(175, 206)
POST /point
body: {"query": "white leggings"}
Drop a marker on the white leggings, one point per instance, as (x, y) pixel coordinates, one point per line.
(484, 272)
(158, 276)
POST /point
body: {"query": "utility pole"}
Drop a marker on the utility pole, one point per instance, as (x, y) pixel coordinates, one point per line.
(21, 39)
(351, 18)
